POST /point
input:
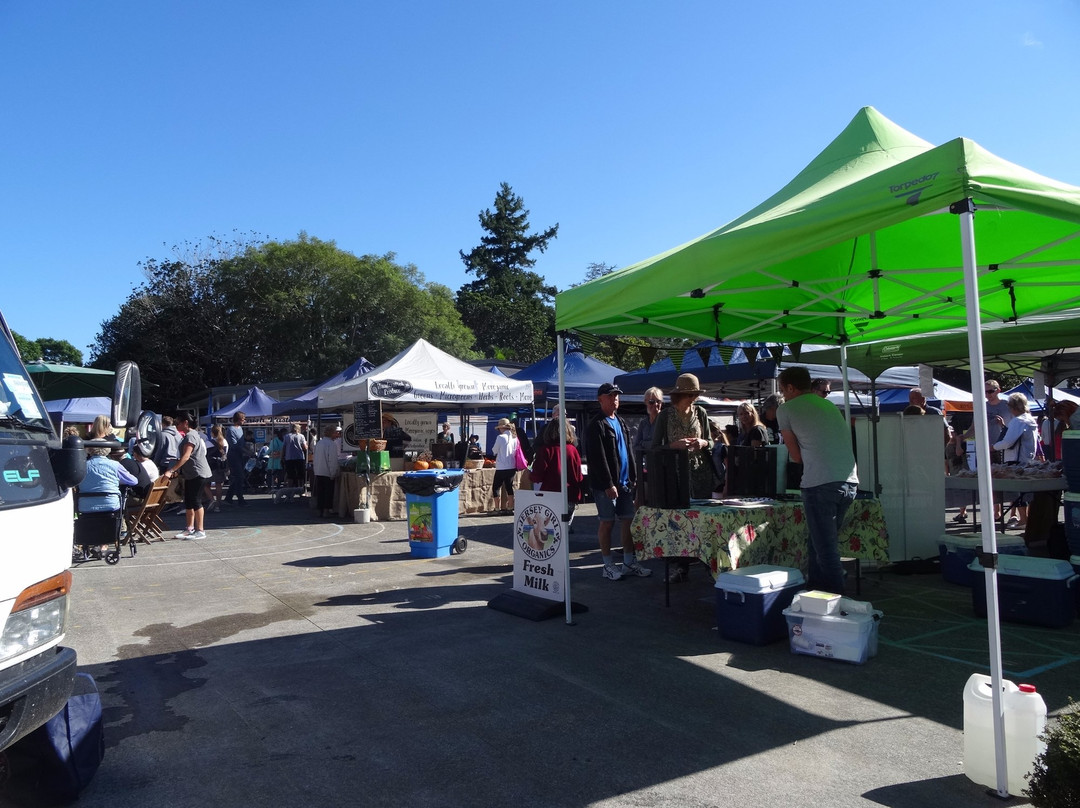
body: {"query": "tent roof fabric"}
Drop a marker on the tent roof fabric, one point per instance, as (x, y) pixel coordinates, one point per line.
(860, 246)
(79, 410)
(55, 381)
(255, 404)
(423, 375)
(306, 402)
(583, 374)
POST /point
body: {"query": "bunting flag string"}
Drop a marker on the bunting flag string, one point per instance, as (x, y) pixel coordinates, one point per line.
(726, 352)
(588, 343)
(796, 350)
(751, 355)
(778, 353)
(676, 360)
(704, 353)
(648, 354)
(618, 351)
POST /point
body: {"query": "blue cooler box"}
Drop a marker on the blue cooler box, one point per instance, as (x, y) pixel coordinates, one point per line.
(958, 551)
(1072, 521)
(1075, 561)
(1070, 458)
(847, 637)
(750, 602)
(433, 520)
(1038, 591)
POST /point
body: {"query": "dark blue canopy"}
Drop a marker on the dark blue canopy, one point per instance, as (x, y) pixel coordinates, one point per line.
(255, 404)
(309, 402)
(583, 375)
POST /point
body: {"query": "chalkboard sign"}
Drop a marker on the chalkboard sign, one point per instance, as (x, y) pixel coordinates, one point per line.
(367, 419)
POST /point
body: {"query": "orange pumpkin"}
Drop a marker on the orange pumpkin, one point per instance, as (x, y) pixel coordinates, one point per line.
(420, 465)
(435, 464)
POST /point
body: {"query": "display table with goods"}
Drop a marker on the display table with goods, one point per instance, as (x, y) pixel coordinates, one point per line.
(726, 534)
(387, 501)
(1011, 481)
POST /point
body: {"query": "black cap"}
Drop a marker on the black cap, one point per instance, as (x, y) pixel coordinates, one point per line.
(608, 387)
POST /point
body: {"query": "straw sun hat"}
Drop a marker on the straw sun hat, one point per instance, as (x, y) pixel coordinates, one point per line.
(687, 384)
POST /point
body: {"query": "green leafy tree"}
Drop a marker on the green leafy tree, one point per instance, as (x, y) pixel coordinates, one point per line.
(29, 349)
(508, 307)
(274, 311)
(49, 350)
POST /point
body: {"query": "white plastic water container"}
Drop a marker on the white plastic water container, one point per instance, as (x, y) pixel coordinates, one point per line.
(1025, 719)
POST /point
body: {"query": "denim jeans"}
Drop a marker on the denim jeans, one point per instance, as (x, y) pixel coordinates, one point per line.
(236, 484)
(825, 507)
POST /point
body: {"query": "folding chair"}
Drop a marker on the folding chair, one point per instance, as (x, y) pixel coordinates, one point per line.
(146, 524)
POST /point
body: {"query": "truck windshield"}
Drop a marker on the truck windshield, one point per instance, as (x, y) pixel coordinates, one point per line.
(21, 409)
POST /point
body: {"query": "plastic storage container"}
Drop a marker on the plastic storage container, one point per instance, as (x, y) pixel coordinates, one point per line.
(1038, 591)
(1072, 521)
(1025, 718)
(433, 517)
(848, 637)
(1070, 458)
(958, 551)
(750, 602)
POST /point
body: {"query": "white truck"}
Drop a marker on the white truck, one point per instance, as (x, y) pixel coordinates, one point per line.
(37, 473)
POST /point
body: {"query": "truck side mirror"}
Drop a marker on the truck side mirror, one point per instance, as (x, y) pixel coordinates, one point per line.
(69, 462)
(127, 395)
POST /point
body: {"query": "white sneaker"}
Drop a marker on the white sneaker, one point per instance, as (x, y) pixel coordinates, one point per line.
(634, 568)
(612, 573)
(195, 534)
(185, 533)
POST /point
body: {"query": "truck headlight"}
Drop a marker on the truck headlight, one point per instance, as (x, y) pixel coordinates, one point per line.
(37, 618)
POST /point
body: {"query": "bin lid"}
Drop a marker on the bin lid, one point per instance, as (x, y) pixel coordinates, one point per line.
(1053, 569)
(759, 578)
(1072, 496)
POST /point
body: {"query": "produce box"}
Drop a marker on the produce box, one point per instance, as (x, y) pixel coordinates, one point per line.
(850, 637)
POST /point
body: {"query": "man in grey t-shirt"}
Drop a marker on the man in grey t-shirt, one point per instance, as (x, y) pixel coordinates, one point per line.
(817, 436)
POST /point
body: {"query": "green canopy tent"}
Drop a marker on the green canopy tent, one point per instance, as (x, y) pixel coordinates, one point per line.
(55, 381)
(875, 239)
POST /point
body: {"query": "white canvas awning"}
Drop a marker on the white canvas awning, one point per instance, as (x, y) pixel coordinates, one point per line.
(423, 374)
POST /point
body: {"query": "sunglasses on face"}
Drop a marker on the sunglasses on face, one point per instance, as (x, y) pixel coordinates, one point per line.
(654, 401)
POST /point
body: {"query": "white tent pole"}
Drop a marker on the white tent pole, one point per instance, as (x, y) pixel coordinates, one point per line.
(562, 475)
(847, 386)
(986, 494)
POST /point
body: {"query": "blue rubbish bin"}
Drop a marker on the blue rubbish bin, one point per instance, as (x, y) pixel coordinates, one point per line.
(431, 502)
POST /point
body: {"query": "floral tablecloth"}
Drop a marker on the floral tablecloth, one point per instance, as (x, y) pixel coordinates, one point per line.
(726, 538)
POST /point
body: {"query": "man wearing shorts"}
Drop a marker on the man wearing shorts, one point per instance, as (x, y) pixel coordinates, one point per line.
(612, 476)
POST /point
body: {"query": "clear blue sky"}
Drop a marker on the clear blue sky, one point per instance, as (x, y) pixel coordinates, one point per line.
(130, 127)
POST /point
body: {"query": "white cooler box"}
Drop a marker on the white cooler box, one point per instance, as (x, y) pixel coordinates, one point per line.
(851, 636)
(750, 602)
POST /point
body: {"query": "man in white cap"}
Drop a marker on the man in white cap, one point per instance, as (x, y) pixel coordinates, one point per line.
(612, 476)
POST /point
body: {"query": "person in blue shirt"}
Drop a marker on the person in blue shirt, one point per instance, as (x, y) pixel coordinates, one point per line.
(612, 478)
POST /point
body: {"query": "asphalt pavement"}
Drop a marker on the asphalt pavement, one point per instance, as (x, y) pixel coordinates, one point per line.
(291, 661)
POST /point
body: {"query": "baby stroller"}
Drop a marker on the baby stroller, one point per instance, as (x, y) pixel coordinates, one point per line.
(93, 531)
(255, 468)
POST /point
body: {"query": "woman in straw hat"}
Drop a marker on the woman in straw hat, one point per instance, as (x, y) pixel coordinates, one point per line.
(685, 427)
(505, 450)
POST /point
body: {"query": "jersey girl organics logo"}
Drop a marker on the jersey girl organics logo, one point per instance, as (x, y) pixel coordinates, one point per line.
(391, 388)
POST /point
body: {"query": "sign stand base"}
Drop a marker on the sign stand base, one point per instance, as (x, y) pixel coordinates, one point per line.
(531, 607)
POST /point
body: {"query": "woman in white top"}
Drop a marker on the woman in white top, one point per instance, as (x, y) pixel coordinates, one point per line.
(505, 451)
(1018, 445)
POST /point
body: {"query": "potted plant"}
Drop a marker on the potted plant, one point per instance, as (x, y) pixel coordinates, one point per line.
(1055, 780)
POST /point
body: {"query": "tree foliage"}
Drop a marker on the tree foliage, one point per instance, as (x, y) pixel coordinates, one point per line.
(279, 310)
(508, 307)
(48, 350)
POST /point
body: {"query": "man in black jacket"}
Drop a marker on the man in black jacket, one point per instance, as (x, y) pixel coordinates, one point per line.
(612, 476)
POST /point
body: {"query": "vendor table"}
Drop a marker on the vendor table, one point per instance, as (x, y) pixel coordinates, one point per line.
(1010, 485)
(388, 500)
(775, 533)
